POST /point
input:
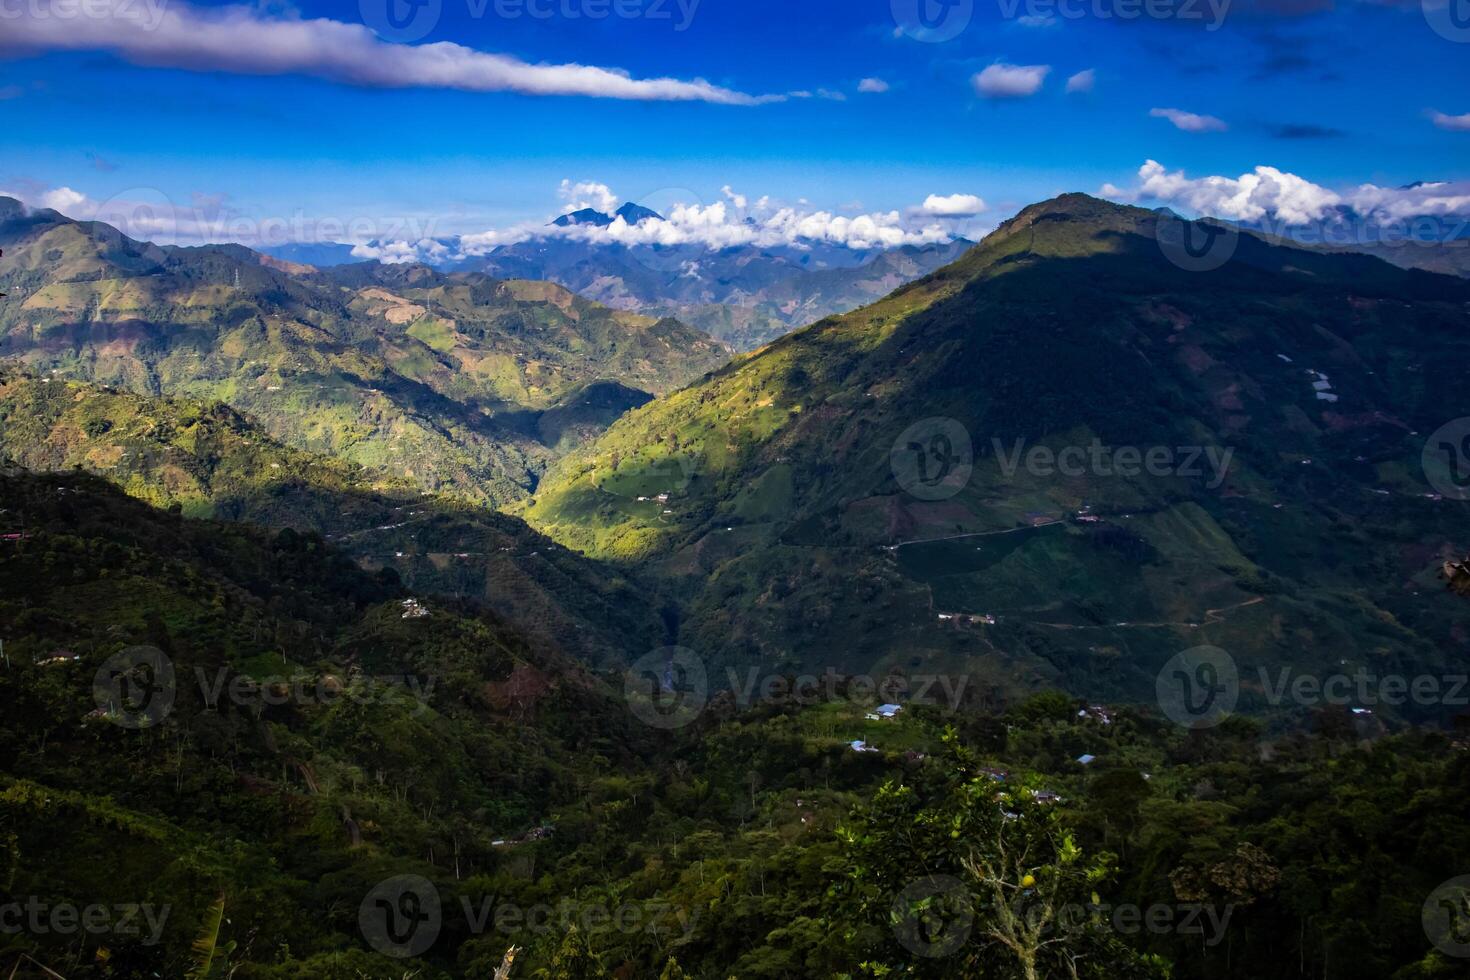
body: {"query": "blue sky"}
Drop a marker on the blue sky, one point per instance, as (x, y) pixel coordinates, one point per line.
(1337, 94)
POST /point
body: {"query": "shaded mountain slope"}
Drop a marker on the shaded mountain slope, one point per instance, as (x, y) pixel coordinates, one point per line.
(1319, 375)
(286, 734)
(209, 462)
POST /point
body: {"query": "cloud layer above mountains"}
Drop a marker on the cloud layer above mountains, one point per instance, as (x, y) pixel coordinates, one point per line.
(1267, 194)
(733, 221)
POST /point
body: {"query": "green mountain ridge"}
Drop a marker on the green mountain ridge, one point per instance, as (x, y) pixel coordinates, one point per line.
(792, 542)
(443, 380)
(210, 463)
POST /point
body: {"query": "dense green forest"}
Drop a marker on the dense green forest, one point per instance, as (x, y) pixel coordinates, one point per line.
(327, 739)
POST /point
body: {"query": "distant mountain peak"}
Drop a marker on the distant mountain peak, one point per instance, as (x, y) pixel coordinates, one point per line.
(586, 216)
(629, 212)
(634, 213)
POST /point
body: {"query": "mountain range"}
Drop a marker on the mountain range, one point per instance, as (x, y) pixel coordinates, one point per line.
(1287, 390)
(743, 295)
(459, 380)
(1286, 394)
(269, 691)
(207, 462)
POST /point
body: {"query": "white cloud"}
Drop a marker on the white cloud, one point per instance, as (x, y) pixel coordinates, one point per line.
(67, 201)
(396, 253)
(722, 224)
(821, 93)
(1083, 81)
(1437, 199)
(952, 206)
(1190, 122)
(872, 85)
(1459, 124)
(1268, 194)
(1010, 81)
(1265, 192)
(587, 195)
(245, 40)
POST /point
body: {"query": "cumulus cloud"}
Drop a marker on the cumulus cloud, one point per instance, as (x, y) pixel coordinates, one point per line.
(586, 194)
(952, 206)
(1010, 81)
(242, 39)
(1083, 81)
(1267, 194)
(722, 224)
(872, 85)
(1190, 122)
(1460, 124)
(67, 201)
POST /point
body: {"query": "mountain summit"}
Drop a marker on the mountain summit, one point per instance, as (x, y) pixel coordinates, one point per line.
(629, 212)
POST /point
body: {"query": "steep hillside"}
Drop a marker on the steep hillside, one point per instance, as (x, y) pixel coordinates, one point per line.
(267, 723)
(209, 462)
(442, 382)
(1286, 397)
(218, 738)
